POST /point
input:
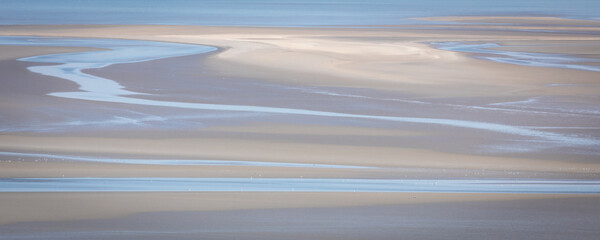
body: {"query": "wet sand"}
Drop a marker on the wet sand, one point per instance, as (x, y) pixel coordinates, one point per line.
(301, 215)
(391, 71)
(69, 206)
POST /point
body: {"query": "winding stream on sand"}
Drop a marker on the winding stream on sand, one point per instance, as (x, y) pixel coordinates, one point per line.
(519, 58)
(93, 88)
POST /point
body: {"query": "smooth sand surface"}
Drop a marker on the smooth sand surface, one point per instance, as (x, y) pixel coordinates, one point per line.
(68, 206)
(303, 215)
(383, 70)
(267, 150)
(14, 52)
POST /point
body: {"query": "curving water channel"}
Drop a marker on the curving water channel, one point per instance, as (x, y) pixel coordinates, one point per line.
(295, 185)
(520, 58)
(93, 88)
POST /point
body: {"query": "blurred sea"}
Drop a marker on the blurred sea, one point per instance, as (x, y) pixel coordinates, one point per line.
(277, 12)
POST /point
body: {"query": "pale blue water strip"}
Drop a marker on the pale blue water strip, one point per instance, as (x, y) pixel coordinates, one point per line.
(295, 185)
(520, 58)
(178, 162)
(278, 12)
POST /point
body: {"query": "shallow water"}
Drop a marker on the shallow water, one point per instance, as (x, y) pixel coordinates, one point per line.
(493, 52)
(295, 185)
(117, 51)
(174, 162)
(276, 12)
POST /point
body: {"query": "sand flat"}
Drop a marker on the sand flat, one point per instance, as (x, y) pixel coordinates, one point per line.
(403, 62)
(319, 59)
(375, 62)
(257, 149)
(26, 207)
(298, 215)
(378, 71)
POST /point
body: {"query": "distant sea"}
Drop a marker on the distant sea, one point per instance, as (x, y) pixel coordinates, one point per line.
(277, 12)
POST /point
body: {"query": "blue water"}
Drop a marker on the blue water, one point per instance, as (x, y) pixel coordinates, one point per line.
(520, 58)
(295, 185)
(121, 51)
(276, 12)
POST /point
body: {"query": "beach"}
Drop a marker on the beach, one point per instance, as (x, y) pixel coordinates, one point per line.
(512, 98)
